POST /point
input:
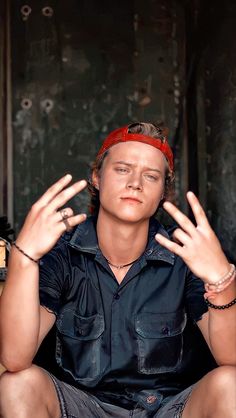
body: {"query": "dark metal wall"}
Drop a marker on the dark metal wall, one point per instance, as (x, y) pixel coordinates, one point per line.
(80, 69)
(211, 113)
(220, 99)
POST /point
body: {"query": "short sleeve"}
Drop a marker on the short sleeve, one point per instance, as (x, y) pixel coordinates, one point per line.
(194, 297)
(52, 273)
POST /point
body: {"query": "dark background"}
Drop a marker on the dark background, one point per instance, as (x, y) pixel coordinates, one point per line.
(78, 69)
(71, 71)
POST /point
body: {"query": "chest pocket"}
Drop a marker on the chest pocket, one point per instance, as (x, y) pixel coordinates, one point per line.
(159, 341)
(78, 349)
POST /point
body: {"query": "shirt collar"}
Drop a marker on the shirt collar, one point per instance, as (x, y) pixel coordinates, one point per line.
(84, 239)
(154, 250)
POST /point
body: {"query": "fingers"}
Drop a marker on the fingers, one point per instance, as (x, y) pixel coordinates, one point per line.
(170, 245)
(180, 237)
(57, 195)
(183, 221)
(62, 198)
(179, 217)
(197, 209)
(63, 214)
(69, 223)
(67, 220)
(54, 190)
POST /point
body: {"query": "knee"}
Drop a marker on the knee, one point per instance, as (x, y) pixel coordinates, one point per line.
(224, 377)
(222, 383)
(13, 385)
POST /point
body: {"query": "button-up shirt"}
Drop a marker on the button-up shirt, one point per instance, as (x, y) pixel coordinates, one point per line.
(126, 343)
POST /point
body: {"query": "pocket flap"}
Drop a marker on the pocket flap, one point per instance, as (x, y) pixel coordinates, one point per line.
(80, 327)
(160, 325)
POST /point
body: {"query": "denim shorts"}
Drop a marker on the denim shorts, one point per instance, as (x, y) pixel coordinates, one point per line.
(76, 403)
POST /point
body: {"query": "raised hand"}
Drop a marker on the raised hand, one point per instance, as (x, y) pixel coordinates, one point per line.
(45, 222)
(197, 245)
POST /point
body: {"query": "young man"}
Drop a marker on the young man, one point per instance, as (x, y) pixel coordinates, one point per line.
(122, 295)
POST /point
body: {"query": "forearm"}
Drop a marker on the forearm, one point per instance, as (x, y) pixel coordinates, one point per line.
(19, 313)
(22, 324)
(222, 327)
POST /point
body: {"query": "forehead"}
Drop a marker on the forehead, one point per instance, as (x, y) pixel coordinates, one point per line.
(138, 153)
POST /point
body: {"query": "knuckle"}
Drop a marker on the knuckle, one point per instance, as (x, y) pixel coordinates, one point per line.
(43, 214)
(34, 208)
(71, 212)
(64, 193)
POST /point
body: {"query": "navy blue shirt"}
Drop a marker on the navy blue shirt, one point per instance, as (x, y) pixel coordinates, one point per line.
(122, 342)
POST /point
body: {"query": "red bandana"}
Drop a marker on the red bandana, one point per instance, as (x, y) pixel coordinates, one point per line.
(122, 135)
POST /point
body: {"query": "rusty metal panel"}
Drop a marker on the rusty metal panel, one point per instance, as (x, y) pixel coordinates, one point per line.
(6, 186)
(80, 69)
(220, 99)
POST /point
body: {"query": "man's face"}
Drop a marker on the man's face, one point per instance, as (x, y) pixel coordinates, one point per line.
(131, 181)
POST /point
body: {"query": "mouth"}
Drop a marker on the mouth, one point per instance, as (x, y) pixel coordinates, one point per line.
(130, 199)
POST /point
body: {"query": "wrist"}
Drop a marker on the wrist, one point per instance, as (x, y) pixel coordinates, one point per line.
(213, 289)
(222, 306)
(21, 258)
(224, 296)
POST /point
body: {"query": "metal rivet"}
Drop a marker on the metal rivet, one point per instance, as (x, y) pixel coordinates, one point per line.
(26, 103)
(25, 11)
(47, 105)
(47, 11)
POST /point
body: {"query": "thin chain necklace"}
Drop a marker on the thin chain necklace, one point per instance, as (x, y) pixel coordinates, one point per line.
(121, 266)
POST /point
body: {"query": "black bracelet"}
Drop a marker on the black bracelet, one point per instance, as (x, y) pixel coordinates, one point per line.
(228, 305)
(22, 252)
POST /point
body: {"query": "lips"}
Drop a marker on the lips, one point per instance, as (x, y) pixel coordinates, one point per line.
(131, 199)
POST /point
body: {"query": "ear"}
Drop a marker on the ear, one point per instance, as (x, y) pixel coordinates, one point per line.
(95, 179)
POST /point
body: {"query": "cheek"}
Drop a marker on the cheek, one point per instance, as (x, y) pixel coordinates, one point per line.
(155, 196)
(108, 187)
(110, 182)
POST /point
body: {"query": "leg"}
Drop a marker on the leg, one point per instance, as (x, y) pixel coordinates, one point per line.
(28, 393)
(214, 395)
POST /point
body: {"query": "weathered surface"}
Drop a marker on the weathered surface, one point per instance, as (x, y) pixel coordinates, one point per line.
(90, 67)
(220, 90)
(82, 68)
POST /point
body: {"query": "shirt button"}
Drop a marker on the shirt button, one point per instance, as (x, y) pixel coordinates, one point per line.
(116, 296)
(165, 330)
(149, 252)
(151, 399)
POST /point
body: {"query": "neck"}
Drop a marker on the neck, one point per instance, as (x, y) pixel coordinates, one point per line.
(121, 242)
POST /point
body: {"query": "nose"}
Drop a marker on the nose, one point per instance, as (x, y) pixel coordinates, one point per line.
(135, 182)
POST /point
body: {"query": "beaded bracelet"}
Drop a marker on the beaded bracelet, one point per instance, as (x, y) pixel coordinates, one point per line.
(228, 305)
(213, 289)
(223, 279)
(22, 252)
(214, 293)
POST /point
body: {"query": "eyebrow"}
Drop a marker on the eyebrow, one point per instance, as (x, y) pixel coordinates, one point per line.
(133, 165)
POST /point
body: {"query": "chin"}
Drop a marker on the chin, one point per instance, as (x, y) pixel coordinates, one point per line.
(132, 217)
(128, 214)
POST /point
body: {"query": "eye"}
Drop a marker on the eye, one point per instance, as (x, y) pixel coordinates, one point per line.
(121, 170)
(151, 177)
